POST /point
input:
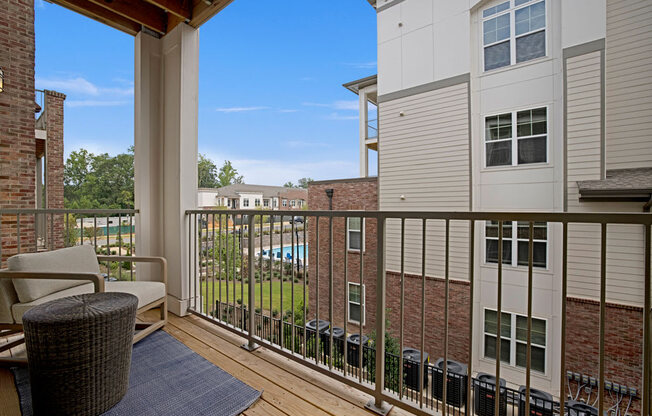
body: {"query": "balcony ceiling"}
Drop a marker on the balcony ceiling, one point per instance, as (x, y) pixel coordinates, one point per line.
(158, 16)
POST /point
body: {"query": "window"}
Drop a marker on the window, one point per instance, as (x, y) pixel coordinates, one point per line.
(513, 339)
(356, 303)
(245, 202)
(257, 202)
(513, 33)
(354, 234)
(293, 203)
(301, 202)
(516, 254)
(275, 202)
(285, 202)
(530, 141)
(266, 203)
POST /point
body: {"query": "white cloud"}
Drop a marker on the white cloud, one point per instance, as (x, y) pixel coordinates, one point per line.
(80, 85)
(240, 109)
(278, 172)
(95, 103)
(348, 105)
(353, 105)
(363, 65)
(338, 116)
(297, 144)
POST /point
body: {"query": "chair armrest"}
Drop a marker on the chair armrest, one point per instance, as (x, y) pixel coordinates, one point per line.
(96, 279)
(142, 259)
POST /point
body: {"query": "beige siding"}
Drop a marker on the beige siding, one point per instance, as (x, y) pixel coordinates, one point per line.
(629, 83)
(424, 156)
(625, 243)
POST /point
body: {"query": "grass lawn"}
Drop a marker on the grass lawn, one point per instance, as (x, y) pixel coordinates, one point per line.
(207, 288)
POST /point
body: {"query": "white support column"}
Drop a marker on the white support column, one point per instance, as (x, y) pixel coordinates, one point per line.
(166, 89)
(364, 115)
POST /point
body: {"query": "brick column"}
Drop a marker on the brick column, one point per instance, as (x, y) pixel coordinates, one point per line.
(17, 143)
(54, 163)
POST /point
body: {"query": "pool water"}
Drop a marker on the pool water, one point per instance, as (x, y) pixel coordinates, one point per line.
(287, 252)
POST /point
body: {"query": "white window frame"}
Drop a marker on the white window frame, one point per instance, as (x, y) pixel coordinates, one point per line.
(257, 202)
(266, 203)
(285, 202)
(512, 32)
(349, 302)
(514, 240)
(245, 202)
(513, 341)
(293, 203)
(275, 202)
(514, 139)
(361, 231)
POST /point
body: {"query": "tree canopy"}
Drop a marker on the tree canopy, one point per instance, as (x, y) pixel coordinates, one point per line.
(301, 183)
(99, 181)
(228, 175)
(207, 172)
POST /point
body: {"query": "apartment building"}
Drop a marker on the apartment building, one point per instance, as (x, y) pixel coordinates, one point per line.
(517, 105)
(246, 196)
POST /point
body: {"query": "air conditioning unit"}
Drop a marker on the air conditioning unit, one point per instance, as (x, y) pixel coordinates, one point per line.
(338, 336)
(353, 350)
(411, 368)
(455, 384)
(575, 408)
(540, 402)
(484, 395)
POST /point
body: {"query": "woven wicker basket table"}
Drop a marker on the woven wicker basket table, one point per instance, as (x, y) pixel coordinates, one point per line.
(79, 352)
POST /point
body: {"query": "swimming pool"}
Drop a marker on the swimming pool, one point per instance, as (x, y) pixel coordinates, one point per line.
(287, 252)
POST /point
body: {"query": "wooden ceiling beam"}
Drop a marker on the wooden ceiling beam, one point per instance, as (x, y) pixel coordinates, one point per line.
(179, 8)
(101, 14)
(139, 11)
(203, 10)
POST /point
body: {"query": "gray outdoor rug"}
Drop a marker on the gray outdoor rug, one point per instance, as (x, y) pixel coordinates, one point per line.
(168, 378)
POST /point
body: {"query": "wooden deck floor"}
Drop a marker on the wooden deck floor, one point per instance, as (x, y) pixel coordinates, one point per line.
(288, 388)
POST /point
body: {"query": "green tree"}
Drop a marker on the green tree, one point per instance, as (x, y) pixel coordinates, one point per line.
(207, 171)
(228, 175)
(304, 182)
(289, 185)
(99, 181)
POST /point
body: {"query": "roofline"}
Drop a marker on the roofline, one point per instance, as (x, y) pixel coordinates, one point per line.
(355, 86)
(329, 181)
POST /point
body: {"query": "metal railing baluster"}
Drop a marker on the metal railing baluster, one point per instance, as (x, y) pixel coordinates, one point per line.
(528, 352)
(423, 310)
(446, 293)
(646, 323)
(331, 347)
(564, 290)
(469, 369)
(603, 300)
(401, 312)
(281, 342)
(345, 363)
(499, 308)
(316, 339)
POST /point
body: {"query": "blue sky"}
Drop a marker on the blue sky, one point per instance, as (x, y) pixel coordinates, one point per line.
(270, 76)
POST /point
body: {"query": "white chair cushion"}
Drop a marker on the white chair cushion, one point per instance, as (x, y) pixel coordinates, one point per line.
(79, 259)
(146, 292)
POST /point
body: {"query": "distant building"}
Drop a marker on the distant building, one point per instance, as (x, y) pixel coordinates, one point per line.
(245, 196)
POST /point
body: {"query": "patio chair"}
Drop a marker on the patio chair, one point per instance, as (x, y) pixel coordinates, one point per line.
(35, 278)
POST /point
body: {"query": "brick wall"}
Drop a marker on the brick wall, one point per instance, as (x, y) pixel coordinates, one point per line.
(17, 143)
(54, 162)
(362, 194)
(623, 342)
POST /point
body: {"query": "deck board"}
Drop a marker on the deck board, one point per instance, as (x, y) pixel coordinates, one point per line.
(288, 387)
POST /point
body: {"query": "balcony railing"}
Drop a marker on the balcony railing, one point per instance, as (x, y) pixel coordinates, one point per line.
(109, 231)
(235, 251)
(372, 129)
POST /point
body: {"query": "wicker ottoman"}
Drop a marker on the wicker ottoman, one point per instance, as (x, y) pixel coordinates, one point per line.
(79, 352)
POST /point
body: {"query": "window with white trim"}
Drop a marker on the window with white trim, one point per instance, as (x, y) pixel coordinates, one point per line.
(516, 254)
(528, 145)
(266, 203)
(513, 31)
(354, 233)
(285, 202)
(275, 202)
(257, 202)
(245, 202)
(356, 303)
(513, 339)
(293, 203)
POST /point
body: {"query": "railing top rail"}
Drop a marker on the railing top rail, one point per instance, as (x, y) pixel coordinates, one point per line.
(68, 211)
(560, 217)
